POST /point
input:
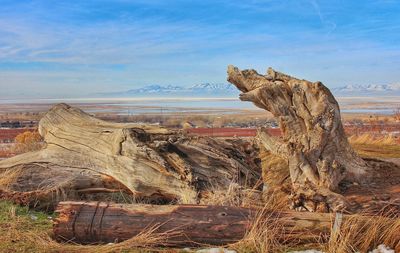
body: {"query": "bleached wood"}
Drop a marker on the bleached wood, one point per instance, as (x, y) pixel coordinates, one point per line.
(147, 161)
(314, 142)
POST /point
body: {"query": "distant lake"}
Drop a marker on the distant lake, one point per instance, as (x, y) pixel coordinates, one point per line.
(385, 105)
(369, 111)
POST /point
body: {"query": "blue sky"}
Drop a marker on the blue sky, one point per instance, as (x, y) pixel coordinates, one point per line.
(75, 48)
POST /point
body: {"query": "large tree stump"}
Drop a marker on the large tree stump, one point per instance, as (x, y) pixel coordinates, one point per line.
(313, 142)
(147, 161)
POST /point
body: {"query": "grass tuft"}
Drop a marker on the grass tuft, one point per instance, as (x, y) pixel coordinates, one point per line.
(24, 230)
(8, 177)
(360, 234)
(262, 236)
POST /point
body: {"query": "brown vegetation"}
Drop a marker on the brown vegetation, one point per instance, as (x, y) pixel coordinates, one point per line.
(28, 231)
(372, 146)
(396, 115)
(9, 134)
(358, 234)
(28, 141)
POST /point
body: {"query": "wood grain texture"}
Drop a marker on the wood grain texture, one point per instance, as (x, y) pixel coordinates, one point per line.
(182, 225)
(313, 140)
(146, 161)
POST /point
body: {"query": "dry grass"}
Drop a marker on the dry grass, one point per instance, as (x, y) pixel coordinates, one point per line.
(369, 139)
(8, 176)
(144, 242)
(276, 179)
(4, 153)
(23, 230)
(28, 141)
(377, 151)
(20, 233)
(236, 195)
(265, 233)
(358, 233)
(262, 236)
(375, 147)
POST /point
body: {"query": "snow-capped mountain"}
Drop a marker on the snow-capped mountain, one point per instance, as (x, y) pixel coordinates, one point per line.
(368, 90)
(213, 87)
(197, 90)
(228, 90)
(155, 88)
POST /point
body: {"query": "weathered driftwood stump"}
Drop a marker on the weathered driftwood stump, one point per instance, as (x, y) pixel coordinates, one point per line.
(87, 155)
(313, 143)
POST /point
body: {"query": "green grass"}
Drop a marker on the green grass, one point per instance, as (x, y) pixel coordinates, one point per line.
(20, 226)
(23, 230)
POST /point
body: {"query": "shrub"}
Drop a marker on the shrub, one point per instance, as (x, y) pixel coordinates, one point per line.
(28, 141)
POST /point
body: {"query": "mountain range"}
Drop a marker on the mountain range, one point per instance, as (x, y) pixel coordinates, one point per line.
(228, 90)
(368, 90)
(198, 90)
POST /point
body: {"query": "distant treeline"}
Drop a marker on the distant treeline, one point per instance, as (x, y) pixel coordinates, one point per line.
(18, 124)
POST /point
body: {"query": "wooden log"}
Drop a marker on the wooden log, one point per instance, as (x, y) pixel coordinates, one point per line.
(183, 225)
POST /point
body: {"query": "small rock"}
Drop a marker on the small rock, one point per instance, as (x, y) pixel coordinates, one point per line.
(265, 187)
(307, 251)
(33, 217)
(382, 249)
(215, 250)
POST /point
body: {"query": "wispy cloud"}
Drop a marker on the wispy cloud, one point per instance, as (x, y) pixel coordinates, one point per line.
(324, 22)
(107, 45)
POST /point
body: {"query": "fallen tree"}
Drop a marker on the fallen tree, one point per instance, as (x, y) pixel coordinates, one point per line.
(314, 144)
(182, 225)
(86, 155)
(196, 225)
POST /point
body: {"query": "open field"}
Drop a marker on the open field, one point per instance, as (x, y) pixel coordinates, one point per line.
(230, 132)
(9, 134)
(360, 114)
(168, 106)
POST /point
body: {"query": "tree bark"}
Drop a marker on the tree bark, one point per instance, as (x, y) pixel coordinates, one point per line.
(182, 225)
(146, 161)
(313, 142)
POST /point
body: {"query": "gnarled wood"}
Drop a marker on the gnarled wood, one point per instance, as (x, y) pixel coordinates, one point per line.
(313, 143)
(147, 161)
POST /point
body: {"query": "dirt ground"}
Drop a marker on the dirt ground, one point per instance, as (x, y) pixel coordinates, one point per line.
(381, 193)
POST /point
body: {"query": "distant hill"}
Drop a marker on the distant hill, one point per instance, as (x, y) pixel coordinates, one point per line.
(229, 91)
(368, 90)
(197, 90)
